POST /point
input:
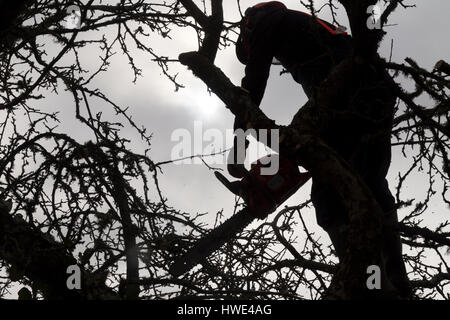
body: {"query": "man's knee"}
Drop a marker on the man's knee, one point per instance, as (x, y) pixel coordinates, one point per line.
(328, 206)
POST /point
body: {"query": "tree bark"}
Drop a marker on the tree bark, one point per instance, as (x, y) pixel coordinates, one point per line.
(36, 256)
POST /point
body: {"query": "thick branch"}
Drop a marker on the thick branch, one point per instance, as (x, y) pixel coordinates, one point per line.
(236, 100)
(196, 13)
(129, 230)
(427, 234)
(431, 283)
(212, 34)
(366, 41)
(36, 256)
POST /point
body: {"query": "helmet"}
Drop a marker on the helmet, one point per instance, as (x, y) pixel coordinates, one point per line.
(273, 4)
(251, 17)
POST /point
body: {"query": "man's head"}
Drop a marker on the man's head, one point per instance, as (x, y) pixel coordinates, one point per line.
(251, 17)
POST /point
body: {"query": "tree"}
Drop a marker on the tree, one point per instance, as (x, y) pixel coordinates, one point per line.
(97, 203)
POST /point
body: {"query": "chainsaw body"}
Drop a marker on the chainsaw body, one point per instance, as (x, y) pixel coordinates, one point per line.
(264, 193)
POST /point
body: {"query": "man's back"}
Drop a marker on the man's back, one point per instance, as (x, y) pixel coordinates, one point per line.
(306, 46)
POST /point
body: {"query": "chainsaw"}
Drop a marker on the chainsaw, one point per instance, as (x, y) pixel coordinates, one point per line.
(262, 195)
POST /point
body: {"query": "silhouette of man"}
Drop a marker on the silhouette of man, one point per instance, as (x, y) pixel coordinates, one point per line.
(308, 48)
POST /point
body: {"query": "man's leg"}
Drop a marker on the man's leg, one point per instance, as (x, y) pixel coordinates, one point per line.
(392, 246)
(378, 159)
(330, 216)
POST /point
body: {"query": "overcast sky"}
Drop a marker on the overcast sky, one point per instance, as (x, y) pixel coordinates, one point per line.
(420, 33)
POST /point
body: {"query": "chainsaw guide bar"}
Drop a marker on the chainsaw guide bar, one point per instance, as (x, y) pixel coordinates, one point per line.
(211, 242)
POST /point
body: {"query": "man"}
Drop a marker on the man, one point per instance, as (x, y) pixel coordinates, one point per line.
(309, 48)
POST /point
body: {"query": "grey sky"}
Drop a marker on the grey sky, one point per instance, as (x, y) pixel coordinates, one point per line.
(420, 33)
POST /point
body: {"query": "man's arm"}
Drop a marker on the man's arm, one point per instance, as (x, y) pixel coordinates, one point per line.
(258, 68)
